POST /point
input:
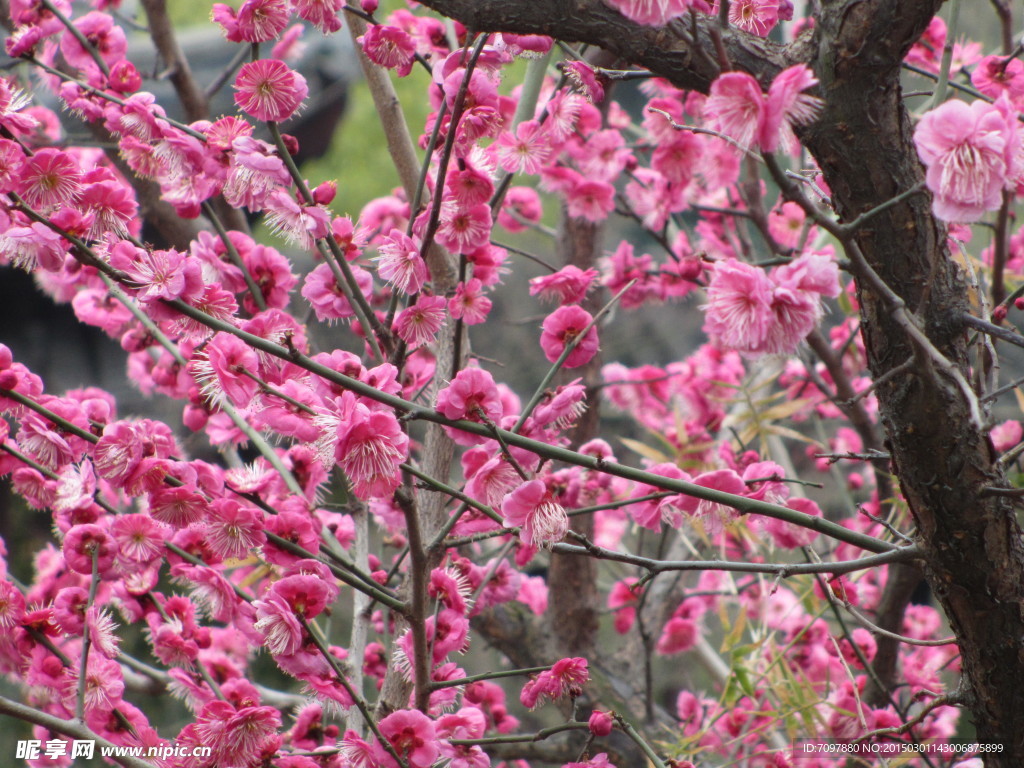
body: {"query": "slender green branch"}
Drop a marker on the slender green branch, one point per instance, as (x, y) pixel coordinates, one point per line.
(335, 259)
(265, 449)
(83, 667)
(520, 738)
(74, 728)
(947, 54)
(234, 256)
(77, 34)
(354, 579)
(544, 450)
(783, 570)
(439, 684)
(630, 731)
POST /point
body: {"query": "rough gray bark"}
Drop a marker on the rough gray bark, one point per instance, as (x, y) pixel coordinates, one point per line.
(974, 560)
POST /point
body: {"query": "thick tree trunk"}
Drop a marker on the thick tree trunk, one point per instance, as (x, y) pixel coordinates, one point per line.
(944, 461)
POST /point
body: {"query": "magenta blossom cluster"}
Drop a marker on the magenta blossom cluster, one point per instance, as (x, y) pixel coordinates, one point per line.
(757, 313)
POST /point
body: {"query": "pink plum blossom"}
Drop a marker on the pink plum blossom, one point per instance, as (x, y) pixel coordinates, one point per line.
(412, 735)
(322, 14)
(755, 16)
(399, 262)
(256, 21)
(268, 90)
(569, 285)
(970, 152)
(418, 324)
(531, 508)
(564, 327)
(737, 107)
(655, 13)
(389, 47)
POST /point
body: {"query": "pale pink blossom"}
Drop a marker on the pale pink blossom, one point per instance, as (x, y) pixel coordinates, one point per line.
(655, 13)
(1006, 435)
(33, 246)
(104, 684)
(996, 75)
(297, 222)
(399, 262)
(525, 150)
(469, 303)
(489, 479)
(970, 153)
(164, 275)
(256, 21)
(12, 103)
(322, 14)
(464, 230)
(758, 17)
(531, 507)
(418, 324)
(389, 47)
(220, 372)
(254, 172)
(49, 178)
(737, 108)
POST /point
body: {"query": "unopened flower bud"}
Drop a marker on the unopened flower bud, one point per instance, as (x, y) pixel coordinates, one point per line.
(600, 723)
(124, 77)
(290, 143)
(999, 314)
(324, 193)
(136, 340)
(691, 268)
